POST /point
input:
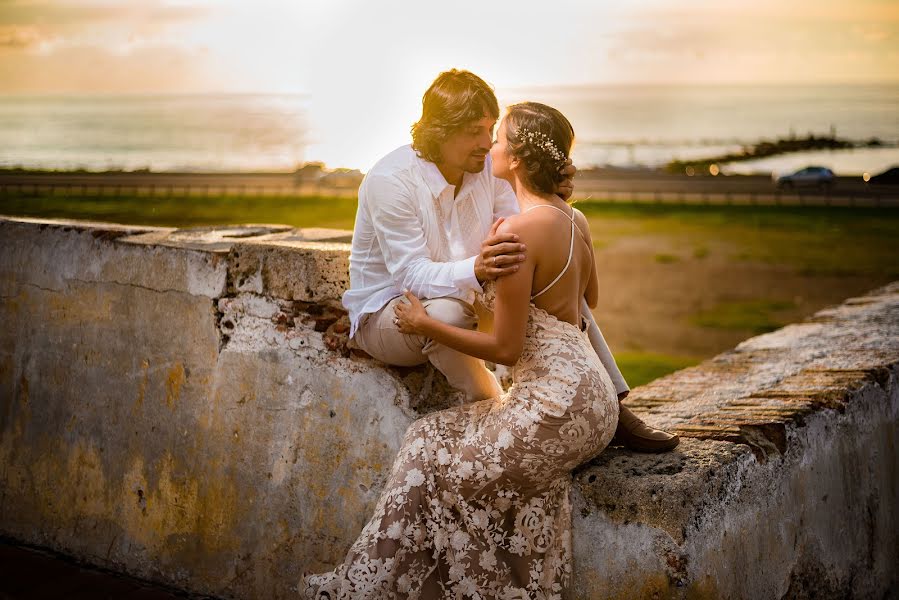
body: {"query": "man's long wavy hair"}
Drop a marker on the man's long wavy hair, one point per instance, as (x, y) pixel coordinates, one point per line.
(454, 100)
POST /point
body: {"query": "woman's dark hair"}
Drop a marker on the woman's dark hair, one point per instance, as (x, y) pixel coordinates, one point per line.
(540, 137)
(455, 99)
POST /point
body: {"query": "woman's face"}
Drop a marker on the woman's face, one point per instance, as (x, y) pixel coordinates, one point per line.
(499, 154)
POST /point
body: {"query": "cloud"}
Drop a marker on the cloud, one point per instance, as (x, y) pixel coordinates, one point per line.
(873, 33)
(730, 43)
(21, 37)
(46, 27)
(60, 13)
(97, 70)
(674, 43)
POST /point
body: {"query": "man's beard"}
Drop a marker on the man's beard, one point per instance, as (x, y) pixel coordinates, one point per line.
(474, 165)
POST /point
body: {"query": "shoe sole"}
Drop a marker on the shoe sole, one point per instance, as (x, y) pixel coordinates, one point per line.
(660, 446)
(632, 441)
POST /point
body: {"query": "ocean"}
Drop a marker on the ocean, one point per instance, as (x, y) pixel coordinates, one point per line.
(624, 126)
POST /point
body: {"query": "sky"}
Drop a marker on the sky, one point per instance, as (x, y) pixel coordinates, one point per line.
(49, 46)
(357, 58)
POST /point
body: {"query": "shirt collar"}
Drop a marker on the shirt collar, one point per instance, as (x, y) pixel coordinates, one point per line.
(437, 182)
(433, 177)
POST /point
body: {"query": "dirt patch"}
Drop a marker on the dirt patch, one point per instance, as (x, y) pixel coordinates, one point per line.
(647, 305)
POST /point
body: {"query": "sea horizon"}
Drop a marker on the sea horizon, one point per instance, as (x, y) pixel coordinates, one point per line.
(616, 124)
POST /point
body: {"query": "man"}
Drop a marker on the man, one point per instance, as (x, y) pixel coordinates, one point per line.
(426, 222)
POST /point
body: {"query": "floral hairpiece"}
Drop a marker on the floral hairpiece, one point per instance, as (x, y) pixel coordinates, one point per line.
(541, 140)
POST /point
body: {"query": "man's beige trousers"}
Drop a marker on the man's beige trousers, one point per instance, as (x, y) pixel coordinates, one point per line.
(379, 336)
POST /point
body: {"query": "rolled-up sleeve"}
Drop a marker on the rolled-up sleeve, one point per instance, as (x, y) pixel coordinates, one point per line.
(398, 226)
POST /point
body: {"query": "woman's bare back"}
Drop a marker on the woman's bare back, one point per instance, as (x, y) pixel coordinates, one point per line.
(550, 249)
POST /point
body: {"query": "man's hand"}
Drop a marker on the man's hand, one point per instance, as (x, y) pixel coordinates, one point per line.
(566, 186)
(500, 255)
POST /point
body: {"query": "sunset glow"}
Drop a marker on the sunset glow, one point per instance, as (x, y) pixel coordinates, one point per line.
(291, 46)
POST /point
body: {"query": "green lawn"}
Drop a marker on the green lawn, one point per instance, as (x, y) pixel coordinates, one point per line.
(642, 367)
(757, 316)
(188, 212)
(816, 240)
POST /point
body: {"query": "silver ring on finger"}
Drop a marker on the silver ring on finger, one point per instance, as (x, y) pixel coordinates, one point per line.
(494, 261)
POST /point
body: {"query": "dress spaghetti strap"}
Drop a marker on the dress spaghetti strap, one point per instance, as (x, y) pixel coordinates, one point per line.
(570, 247)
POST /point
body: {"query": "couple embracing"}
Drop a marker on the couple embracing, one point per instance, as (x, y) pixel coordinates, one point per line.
(476, 504)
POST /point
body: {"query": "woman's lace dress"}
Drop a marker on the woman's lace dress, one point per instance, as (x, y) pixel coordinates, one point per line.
(476, 504)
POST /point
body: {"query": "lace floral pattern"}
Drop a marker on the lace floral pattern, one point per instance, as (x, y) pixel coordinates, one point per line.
(476, 504)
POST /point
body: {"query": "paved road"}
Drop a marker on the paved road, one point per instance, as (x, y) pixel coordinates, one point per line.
(645, 186)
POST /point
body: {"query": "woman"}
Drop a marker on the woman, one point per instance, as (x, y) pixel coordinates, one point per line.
(476, 504)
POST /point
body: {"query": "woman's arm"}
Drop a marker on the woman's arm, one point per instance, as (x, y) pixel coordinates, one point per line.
(505, 343)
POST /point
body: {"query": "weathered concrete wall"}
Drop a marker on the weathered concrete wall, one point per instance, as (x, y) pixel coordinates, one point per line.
(161, 415)
(180, 405)
(785, 484)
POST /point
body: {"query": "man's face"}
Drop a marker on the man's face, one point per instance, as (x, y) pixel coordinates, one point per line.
(467, 148)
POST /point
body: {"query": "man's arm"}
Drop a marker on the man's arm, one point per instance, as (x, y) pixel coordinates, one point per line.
(398, 229)
(602, 350)
(505, 342)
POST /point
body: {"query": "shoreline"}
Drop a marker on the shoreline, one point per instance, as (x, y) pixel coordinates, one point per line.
(604, 184)
(781, 147)
(731, 164)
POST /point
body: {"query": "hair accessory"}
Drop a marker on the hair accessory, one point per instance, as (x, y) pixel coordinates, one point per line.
(541, 140)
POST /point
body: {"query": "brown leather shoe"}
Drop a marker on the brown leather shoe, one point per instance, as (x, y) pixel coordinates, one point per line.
(637, 435)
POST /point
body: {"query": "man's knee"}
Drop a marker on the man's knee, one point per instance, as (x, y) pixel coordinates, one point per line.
(452, 312)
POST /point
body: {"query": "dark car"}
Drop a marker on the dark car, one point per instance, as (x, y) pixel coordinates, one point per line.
(888, 177)
(809, 176)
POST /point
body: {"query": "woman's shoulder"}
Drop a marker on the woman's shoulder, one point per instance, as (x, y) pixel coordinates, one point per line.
(520, 224)
(535, 222)
(580, 219)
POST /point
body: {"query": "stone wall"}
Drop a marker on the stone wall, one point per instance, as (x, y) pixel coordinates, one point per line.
(179, 404)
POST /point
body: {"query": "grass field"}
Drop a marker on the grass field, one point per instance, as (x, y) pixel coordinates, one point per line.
(678, 283)
(187, 212)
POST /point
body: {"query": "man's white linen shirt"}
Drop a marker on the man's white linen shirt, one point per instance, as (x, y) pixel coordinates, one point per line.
(397, 242)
